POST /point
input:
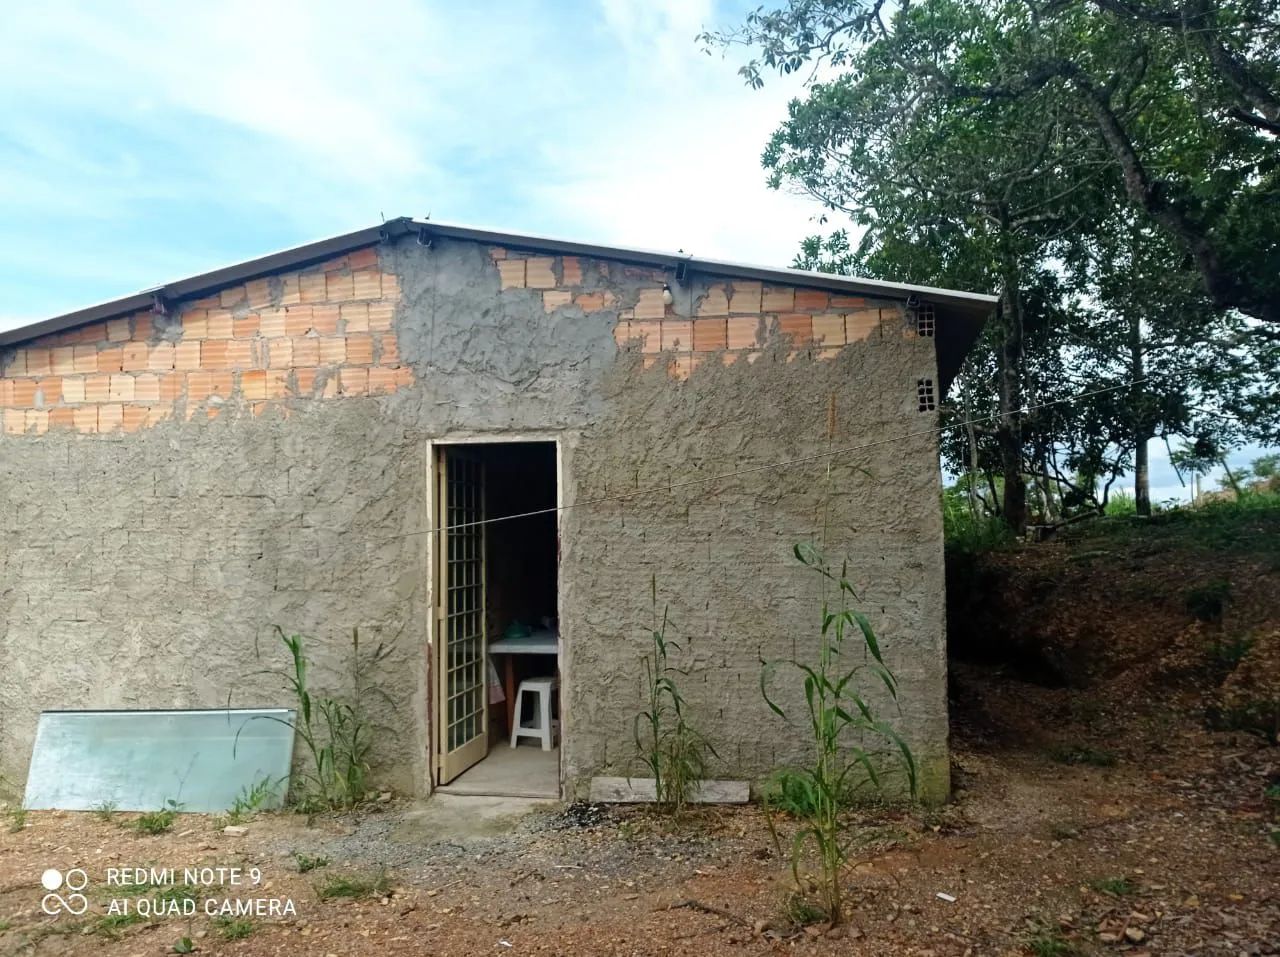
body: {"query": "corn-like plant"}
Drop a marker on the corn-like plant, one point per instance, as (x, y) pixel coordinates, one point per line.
(667, 744)
(841, 727)
(336, 734)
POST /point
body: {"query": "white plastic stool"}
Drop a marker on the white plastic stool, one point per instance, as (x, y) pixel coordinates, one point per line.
(542, 728)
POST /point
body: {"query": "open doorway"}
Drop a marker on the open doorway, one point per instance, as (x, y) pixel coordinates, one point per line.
(497, 634)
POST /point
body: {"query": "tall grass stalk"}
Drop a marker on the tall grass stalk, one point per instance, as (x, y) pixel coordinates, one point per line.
(840, 726)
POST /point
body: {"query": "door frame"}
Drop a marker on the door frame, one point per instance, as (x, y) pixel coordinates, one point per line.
(556, 439)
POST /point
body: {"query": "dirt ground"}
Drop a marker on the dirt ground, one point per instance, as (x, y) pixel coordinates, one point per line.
(1046, 850)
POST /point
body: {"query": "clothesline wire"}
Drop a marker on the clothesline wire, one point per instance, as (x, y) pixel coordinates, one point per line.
(769, 466)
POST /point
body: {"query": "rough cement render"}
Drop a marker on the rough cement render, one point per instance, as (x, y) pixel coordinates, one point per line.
(141, 569)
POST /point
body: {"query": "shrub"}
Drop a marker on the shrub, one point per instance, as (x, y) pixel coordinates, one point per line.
(354, 886)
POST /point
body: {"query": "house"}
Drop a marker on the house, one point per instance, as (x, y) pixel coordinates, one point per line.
(442, 434)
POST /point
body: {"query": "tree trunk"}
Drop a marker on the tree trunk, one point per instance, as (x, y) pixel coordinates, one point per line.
(1141, 419)
(1009, 434)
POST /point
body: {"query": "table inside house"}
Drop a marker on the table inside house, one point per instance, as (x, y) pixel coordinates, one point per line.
(540, 642)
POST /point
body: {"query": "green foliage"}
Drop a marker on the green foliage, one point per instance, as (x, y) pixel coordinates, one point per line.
(231, 928)
(1083, 754)
(336, 733)
(184, 945)
(251, 800)
(158, 822)
(110, 925)
(5, 924)
(354, 886)
(840, 728)
(1115, 886)
(307, 862)
(670, 748)
(970, 530)
(105, 811)
(1049, 942)
(17, 819)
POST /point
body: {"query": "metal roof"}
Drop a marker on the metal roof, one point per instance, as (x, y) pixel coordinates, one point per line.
(974, 307)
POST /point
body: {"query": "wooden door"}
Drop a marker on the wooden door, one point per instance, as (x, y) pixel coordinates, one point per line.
(461, 717)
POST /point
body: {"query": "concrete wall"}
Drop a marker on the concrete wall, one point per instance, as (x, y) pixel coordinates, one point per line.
(274, 473)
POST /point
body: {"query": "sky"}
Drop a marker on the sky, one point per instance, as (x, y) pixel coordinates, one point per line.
(141, 142)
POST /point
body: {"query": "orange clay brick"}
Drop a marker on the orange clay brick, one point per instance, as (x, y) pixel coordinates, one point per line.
(297, 320)
(306, 352)
(135, 417)
(86, 359)
(571, 271)
(253, 385)
(339, 286)
(146, 388)
(231, 296)
(380, 316)
(245, 328)
(15, 421)
(6, 392)
(306, 381)
(590, 301)
(829, 329)
(279, 353)
(553, 299)
(743, 331)
(511, 273)
(62, 360)
(195, 324)
(811, 300)
(354, 381)
(111, 360)
(861, 325)
(359, 350)
(94, 333)
(157, 414)
(290, 290)
(677, 334)
(404, 377)
(161, 358)
(37, 421)
(649, 334)
(365, 284)
(97, 388)
(311, 287)
(277, 384)
(240, 354)
(122, 388)
(355, 316)
(650, 305)
(622, 334)
(271, 323)
(778, 299)
(333, 351)
(85, 418)
(363, 258)
(496, 253)
(110, 417)
(714, 303)
(72, 389)
(848, 302)
(171, 386)
(213, 353)
(142, 327)
(710, 334)
(390, 286)
(219, 324)
(222, 384)
(799, 328)
(258, 292)
(335, 265)
(62, 418)
(324, 320)
(389, 351)
(38, 362)
(24, 393)
(136, 357)
(49, 391)
(18, 366)
(117, 330)
(199, 386)
(746, 297)
(186, 355)
(381, 380)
